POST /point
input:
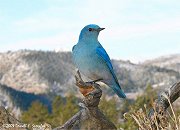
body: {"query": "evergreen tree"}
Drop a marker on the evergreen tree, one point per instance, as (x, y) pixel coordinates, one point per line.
(109, 108)
(36, 114)
(63, 109)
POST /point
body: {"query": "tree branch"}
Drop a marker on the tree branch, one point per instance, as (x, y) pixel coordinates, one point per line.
(162, 103)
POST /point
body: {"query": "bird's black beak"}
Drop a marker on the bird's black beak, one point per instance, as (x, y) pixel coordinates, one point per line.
(100, 29)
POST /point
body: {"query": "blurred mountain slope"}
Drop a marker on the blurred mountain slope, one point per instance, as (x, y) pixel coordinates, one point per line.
(45, 72)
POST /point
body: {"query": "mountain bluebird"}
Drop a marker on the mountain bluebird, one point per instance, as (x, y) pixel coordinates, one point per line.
(92, 60)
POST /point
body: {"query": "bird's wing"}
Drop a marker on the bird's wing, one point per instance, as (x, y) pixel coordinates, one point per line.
(102, 53)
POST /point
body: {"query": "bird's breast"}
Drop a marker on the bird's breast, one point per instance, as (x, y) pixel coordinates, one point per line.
(86, 60)
(83, 56)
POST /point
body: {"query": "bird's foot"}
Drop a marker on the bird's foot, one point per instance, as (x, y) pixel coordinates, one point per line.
(94, 81)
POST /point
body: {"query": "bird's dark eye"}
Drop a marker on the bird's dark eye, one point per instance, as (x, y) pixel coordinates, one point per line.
(90, 29)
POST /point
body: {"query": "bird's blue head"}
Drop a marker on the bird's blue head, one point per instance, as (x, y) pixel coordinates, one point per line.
(90, 31)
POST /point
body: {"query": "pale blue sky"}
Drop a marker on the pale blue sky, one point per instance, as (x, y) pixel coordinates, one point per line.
(136, 30)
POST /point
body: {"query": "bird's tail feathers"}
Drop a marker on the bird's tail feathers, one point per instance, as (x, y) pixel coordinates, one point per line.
(117, 89)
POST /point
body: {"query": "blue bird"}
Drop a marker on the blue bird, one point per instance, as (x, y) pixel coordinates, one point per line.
(92, 60)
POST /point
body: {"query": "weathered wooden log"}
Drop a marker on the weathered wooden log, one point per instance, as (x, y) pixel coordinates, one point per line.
(89, 117)
(7, 121)
(158, 113)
